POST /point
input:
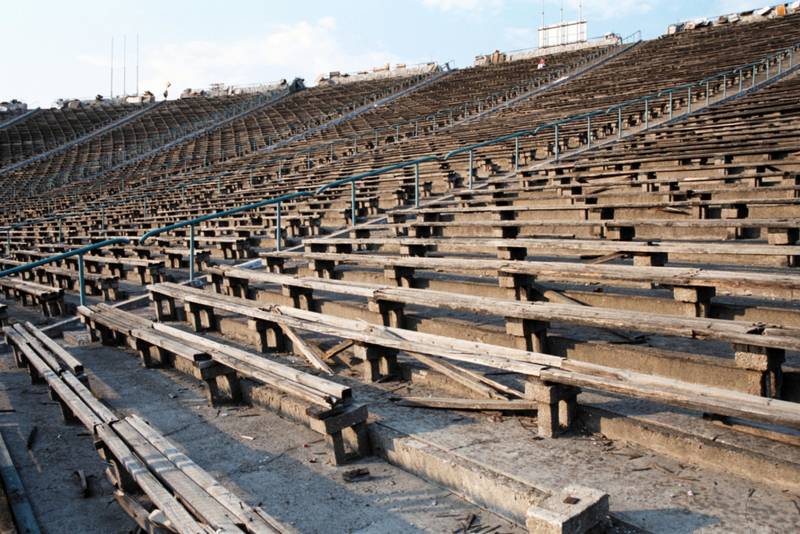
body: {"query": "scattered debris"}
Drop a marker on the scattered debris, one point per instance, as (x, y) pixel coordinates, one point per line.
(84, 483)
(356, 475)
(31, 436)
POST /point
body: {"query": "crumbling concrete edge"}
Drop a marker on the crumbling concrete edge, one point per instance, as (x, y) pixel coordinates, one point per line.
(705, 452)
(521, 503)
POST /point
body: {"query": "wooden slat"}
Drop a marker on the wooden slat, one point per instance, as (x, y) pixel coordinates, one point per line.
(188, 491)
(69, 360)
(468, 404)
(181, 520)
(15, 492)
(257, 521)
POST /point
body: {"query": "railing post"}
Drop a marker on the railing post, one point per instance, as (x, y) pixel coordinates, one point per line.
(619, 123)
(80, 279)
(416, 185)
(470, 168)
(183, 196)
(8, 243)
(219, 185)
(753, 81)
(708, 93)
(59, 229)
(278, 229)
(353, 201)
(191, 252)
(48, 206)
(741, 72)
(251, 177)
(556, 145)
(355, 145)
(589, 131)
(724, 86)
(516, 154)
(689, 110)
(416, 128)
(144, 208)
(376, 139)
(103, 219)
(148, 177)
(647, 114)
(280, 169)
(19, 213)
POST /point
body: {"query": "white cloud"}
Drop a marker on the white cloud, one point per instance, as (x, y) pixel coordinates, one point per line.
(303, 49)
(463, 5)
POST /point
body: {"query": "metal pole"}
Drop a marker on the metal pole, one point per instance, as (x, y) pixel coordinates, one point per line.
(278, 229)
(589, 131)
(556, 147)
(708, 91)
(619, 123)
(470, 168)
(183, 196)
(144, 209)
(191, 252)
(646, 114)
(251, 177)
(416, 185)
(80, 279)
(353, 200)
(59, 229)
(516, 154)
(219, 185)
(689, 110)
(670, 105)
(724, 86)
(103, 220)
(8, 242)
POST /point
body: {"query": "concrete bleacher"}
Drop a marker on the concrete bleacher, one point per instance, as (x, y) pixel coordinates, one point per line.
(50, 127)
(657, 271)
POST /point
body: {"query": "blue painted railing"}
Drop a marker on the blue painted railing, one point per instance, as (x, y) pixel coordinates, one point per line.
(192, 222)
(79, 252)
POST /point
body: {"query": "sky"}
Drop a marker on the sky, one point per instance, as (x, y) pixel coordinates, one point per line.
(62, 49)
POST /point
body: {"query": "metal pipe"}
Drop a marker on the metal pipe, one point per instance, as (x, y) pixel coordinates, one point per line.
(80, 279)
(191, 252)
(219, 185)
(689, 110)
(353, 201)
(646, 114)
(516, 154)
(619, 123)
(556, 146)
(59, 229)
(278, 229)
(470, 168)
(416, 185)
(588, 131)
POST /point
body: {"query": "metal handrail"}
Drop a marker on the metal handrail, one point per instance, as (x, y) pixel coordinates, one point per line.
(76, 135)
(79, 252)
(192, 222)
(352, 180)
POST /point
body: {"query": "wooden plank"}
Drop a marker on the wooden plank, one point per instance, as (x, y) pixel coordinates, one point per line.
(455, 373)
(102, 411)
(344, 345)
(154, 338)
(69, 360)
(468, 404)
(137, 513)
(15, 493)
(189, 492)
(305, 349)
(314, 382)
(255, 518)
(43, 353)
(181, 520)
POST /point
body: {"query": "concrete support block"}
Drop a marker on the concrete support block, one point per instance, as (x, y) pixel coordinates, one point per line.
(620, 233)
(235, 287)
(574, 510)
(557, 405)
(783, 236)
(531, 335)
(402, 276)
(270, 336)
(302, 297)
(768, 362)
(653, 259)
(700, 297)
(512, 253)
(201, 318)
(391, 312)
(379, 361)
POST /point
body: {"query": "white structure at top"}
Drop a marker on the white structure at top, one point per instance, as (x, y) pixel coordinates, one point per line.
(563, 33)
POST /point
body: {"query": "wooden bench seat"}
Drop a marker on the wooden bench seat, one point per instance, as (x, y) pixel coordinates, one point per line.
(327, 406)
(382, 341)
(136, 454)
(50, 299)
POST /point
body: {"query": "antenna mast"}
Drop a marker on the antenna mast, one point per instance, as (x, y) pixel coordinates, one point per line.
(112, 68)
(124, 64)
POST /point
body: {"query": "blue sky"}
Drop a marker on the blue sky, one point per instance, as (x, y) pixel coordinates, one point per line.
(62, 49)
